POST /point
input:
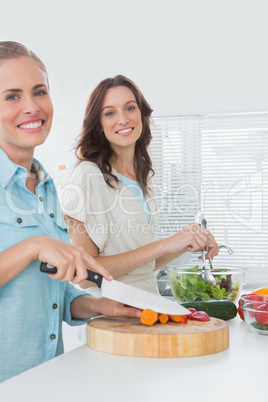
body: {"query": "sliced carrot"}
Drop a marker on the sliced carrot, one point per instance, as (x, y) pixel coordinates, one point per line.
(176, 318)
(163, 318)
(148, 317)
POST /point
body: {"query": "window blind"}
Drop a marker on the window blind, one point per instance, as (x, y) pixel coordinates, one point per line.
(216, 163)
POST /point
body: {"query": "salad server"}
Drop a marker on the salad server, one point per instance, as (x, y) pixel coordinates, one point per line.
(207, 265)
(207, 276)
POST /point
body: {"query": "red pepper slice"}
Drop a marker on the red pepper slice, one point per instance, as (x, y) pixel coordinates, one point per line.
(250, 297)
(199, 316)
(193, 310)
(239, 301)
(184, 319)
(261, 315)
(240, 312)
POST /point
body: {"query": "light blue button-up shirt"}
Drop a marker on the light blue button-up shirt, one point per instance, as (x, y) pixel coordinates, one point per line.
(32, 306)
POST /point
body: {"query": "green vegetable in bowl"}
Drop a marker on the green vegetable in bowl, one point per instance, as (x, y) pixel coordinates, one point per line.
(190, 286)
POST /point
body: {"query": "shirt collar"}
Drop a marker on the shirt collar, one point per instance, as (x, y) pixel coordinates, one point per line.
(8, 169)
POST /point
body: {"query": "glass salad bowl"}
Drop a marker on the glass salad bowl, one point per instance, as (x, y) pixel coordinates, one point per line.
(189, 283)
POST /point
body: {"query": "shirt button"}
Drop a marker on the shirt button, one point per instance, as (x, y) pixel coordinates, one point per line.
(19, 220)
(52, 336)
(41, 199)
(55, 306)
(52, 215)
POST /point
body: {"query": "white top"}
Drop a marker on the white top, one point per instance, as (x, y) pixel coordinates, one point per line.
(113, 219)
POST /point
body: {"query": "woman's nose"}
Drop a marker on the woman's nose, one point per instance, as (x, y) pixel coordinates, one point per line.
(123, 118)
(30, 107)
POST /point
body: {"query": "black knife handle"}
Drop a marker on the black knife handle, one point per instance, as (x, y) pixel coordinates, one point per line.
(91, 275)
(49, 269)
(94, 277)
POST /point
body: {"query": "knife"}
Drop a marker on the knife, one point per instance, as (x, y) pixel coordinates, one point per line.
(127, 294)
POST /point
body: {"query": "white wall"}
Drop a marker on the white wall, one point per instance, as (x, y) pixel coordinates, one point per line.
(186, 56)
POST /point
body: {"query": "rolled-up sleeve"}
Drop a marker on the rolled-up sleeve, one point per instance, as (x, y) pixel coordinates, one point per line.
(72, 293)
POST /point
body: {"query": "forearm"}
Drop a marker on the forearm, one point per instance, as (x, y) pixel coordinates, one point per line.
(84, 307)
(166, 259)
(87, 307)
(117, 264)
(17, 258)
(121, 264)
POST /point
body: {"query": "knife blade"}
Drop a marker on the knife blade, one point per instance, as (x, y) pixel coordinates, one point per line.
(127, 294)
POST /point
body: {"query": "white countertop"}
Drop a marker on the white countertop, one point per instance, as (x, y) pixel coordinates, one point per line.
(236, 374)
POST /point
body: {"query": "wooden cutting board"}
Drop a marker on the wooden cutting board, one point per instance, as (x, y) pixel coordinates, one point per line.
(126, 336)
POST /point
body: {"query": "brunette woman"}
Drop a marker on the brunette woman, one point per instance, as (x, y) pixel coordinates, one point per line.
(109, 203)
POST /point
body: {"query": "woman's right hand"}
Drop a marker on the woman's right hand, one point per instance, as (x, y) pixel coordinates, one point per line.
(192, 238)
(71, 261)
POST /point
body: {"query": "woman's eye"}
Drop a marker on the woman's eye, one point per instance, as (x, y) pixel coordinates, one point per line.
(40, 93)
(12, 97)
(109, 113)
(131, 108)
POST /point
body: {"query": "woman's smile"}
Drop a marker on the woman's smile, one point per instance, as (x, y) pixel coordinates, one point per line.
(126, 131)
(32, 126)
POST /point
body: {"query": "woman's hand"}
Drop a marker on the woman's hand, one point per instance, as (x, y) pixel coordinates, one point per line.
(112, 308)
(71, 261)
(214, 248)
(193, 238)
(88, 306)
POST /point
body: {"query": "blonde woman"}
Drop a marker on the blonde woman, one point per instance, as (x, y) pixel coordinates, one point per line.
(32, 227)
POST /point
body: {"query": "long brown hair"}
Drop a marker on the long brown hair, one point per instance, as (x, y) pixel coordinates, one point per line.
(14, 50)
(93, 146)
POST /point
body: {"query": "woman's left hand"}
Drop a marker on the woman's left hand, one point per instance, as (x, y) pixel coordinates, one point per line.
(112, 308)
(87, 306)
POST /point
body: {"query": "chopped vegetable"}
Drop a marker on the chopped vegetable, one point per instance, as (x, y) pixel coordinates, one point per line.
(261, 314)
(176, 318)
(240, 312)
(148, 317)
(163, 318)
(257, 307)
(223, 309)
(192, 309)
(193, 287)
(198, 315)
(250, 296)
(184, 319)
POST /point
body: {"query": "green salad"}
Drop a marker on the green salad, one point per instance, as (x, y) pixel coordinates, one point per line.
(189, 287)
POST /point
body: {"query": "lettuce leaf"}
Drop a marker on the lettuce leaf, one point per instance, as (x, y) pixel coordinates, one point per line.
(189, 287)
